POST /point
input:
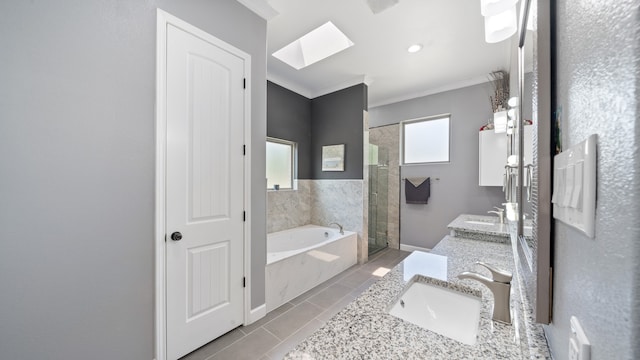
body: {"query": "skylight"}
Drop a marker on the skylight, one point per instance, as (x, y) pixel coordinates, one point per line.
(316, 45)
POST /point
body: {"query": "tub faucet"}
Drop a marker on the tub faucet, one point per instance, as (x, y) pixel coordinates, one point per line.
(339, 227)
(499, 212)
(500, 286)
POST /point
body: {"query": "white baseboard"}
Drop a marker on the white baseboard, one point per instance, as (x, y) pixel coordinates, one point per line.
(413, 248)
(257, 314)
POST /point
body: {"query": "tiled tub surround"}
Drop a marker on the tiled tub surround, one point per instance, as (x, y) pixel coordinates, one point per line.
(364, 329)
(463, 227)
(320, 202)
(302, 258)
(340, 201)
(288, 209)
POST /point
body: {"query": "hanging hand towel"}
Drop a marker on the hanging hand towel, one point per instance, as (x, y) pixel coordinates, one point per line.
(417, 190)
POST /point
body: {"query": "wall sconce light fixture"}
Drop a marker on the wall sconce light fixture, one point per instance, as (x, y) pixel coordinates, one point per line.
(500, 19)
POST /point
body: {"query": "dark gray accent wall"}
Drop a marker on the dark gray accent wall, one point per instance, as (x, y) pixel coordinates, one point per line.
(597, 67)
(457, 191)
(77, 165)
(337, 118)
(289, 118)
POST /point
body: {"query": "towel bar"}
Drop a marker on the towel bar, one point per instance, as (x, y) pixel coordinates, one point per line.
(438, 179)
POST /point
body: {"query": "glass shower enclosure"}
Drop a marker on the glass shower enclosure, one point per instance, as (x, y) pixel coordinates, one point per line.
(378, 198)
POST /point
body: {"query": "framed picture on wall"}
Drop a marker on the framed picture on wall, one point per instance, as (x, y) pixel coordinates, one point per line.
(333, 157)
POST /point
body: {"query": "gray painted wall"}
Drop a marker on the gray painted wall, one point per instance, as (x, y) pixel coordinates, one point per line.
(597, 64)
(457, 191)
(289, 118)
(337, 118)
(77, 102)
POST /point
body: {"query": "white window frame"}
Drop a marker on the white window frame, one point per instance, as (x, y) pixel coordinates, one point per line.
(294, 161)
(424, 119)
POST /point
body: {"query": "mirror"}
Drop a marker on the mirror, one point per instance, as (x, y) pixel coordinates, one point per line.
(532, 235)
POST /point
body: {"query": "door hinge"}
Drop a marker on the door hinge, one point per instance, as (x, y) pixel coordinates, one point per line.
(244, 216)
(244, 149)
(244, 282)
(244, 83)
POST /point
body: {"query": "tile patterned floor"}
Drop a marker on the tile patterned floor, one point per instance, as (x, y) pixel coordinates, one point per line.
(271, 337)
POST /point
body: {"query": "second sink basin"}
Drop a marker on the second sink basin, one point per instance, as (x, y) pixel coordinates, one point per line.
(447, 312)
(479, 222)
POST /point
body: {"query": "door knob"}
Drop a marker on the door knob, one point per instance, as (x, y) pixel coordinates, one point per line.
(176, 236)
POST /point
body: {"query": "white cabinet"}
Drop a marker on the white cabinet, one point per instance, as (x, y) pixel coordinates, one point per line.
(493, 157)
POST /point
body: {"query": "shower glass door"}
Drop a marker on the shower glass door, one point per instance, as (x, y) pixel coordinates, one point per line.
(378, 197)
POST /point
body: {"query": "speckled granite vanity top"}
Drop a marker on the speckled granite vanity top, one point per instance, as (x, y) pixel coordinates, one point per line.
(364, 329)
(485, 228)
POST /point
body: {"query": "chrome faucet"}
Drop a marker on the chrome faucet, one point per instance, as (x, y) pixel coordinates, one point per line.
(339, 227)
(499, 212)
(500, 286)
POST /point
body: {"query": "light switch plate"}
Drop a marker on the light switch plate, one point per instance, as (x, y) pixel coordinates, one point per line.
(574, 186)
(579, 346)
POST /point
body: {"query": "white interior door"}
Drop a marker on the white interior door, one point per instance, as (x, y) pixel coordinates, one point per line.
(204, 191)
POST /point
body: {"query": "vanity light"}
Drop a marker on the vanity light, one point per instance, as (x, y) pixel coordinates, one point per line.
(500, 26)
(513, 101)
(493, 7)
(500, 121)
(414, 48)
(511, 113)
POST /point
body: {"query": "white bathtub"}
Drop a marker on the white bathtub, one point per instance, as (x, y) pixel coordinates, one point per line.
(300, 259)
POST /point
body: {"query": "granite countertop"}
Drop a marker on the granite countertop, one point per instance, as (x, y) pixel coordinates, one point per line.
(485, 228)
(364, 329)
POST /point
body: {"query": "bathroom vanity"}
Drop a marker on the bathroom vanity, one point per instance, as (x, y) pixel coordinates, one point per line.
(364, 329)
(485, 228)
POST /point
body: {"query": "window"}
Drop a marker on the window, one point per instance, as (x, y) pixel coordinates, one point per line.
(425, 140)
(280, 163)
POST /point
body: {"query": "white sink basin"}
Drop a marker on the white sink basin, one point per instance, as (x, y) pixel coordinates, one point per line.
(447, 312)
(479, 222)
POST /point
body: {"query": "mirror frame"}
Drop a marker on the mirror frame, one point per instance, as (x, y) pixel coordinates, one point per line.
(535, 262)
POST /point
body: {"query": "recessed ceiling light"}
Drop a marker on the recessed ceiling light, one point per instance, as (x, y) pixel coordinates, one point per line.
(314, 46)
(414, 48)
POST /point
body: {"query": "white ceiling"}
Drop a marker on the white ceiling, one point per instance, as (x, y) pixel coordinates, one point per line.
(451, 31)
